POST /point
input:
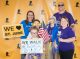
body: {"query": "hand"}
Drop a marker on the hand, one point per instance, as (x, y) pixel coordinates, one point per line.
(61, 40)
(55, 45)
(44, 48)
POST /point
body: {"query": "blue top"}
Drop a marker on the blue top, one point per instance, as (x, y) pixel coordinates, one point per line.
(53, 31)
(66, 14)
(26, 28)
(65, 34)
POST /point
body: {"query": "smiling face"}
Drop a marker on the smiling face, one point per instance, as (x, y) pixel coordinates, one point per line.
(34, 33)
(61, 6)
(36, 23)
(30, 16)
(64, 22)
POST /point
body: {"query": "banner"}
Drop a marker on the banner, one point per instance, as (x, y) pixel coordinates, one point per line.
(10, 31)
(32, 46)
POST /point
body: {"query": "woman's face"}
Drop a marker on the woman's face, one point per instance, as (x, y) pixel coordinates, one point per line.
(64, 22)
(30, 16)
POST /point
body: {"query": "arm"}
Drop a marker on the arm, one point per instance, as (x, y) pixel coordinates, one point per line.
(67, 40)
(54, 33)
(72, 22)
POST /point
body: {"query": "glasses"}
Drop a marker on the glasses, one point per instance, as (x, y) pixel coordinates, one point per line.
(60, 5)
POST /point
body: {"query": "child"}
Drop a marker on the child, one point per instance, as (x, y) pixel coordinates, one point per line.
(34, 34)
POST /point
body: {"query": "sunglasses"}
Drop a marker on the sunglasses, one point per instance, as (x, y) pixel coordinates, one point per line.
(60, 5)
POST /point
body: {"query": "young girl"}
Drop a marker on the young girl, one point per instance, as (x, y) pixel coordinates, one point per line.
(67, 37)
(34, 34)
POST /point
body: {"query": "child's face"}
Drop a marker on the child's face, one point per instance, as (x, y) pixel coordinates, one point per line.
(34, 33)
(36, 23)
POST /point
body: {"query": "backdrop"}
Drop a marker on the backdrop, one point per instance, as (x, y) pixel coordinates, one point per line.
(14, 11)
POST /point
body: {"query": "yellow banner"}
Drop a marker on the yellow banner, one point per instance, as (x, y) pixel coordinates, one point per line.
(10, 31)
